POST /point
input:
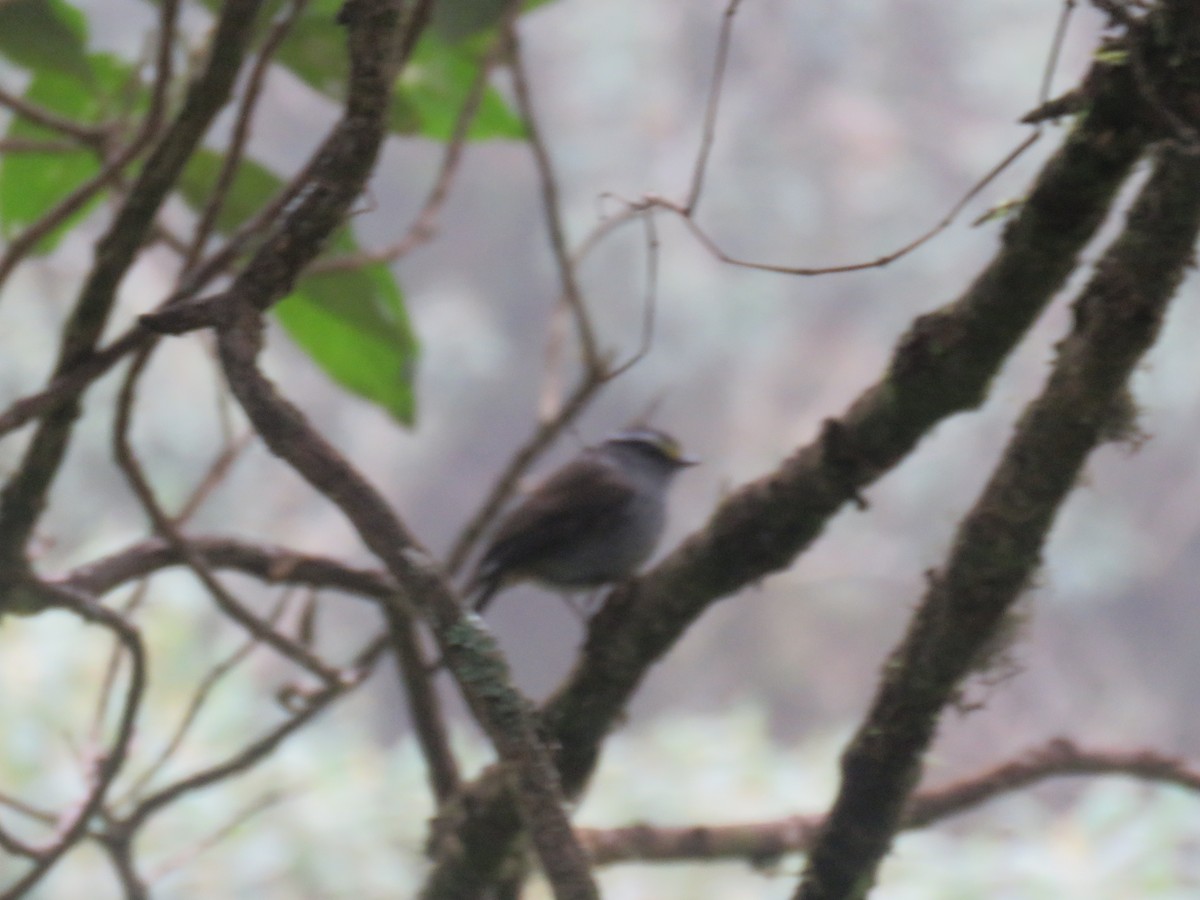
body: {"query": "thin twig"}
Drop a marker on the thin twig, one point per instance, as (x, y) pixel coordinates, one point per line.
(27, 809)
(92, 136)
(34, 145)
(711, 108)
(261, 805)
(649, 304)
(216, 473)
(225, 601)
(74, 826)
(651, 201)
(239, 763)
(241, 133)
(424, 705)
(572, 295)
(424, 225)
(16, 846)
(1056, 45)
(506, 483)
(20, 246)
(199, 697)
(686, 210)
(108, 680)
(72, 382)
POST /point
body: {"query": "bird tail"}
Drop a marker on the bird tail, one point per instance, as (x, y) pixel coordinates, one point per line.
(485, 583)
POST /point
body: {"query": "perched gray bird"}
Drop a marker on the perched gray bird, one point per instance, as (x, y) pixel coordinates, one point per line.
(592, 522)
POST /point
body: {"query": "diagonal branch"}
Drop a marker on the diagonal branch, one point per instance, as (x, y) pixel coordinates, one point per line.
(241, 133)
(469, 650)
(110, 172)
(998, 546)
(225, 601)
(942, 366)
(336, 176)
(24, 497)
(424, 224)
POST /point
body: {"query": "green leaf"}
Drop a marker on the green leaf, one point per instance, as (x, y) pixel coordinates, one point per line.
(253, 185)
(315, 49)
(430, 93)
(458, 19)
(45, 35)
(352, 324)
(32, 183)
(436, 83)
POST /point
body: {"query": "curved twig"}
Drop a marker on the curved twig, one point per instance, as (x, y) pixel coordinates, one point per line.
(166, 528)
(107, 768)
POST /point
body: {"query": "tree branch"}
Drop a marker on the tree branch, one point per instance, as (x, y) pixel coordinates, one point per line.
(24, 496)
(273, 565)
(762, 843)
(74, 826)
(998, 545)
(942, 366)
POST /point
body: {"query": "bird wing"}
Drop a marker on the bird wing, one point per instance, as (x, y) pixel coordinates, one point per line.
(572, 502)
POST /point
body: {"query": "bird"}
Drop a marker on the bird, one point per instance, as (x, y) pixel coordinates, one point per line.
(592, 522)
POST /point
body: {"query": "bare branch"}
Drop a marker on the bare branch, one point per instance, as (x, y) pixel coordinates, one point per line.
(765, 842)
(73, 826)
(572, 295)
(227, 603)
(241, 133)
(20, 246)
(199, 697)
(92, 136)
(261, 805)
(424, 225)
(274, 565)
(24, 495)
(998, 546)
(943, 365)
(241, 762)
(710, 109)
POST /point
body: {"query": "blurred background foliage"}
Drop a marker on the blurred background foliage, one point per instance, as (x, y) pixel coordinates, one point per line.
(845, 130)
